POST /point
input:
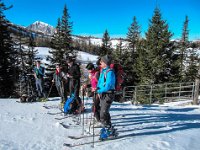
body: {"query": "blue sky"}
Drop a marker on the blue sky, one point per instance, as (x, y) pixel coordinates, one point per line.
(93, 17)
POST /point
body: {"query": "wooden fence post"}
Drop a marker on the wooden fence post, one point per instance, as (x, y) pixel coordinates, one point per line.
(196, 92)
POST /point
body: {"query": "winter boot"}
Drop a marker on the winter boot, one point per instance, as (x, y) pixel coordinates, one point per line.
(106, 133)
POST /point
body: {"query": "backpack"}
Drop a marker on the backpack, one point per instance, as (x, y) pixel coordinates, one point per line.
(119, 76)
(119, 83)
(72, 104)
(67, 106)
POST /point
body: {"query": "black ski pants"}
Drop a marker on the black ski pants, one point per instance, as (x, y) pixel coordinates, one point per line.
(105, 103)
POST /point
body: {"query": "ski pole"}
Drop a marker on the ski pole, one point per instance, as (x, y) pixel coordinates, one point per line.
(93, 119)
(50, 90)
(83, 112)
(92, 113)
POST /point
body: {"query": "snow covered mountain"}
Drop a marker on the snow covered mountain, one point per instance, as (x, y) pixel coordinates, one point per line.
(47, 29)
(42, 27)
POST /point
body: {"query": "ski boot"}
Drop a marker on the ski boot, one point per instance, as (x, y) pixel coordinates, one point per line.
(106, 133)
(23, 98)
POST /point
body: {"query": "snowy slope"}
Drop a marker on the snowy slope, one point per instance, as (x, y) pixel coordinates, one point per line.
(84, 57)
(28, 127)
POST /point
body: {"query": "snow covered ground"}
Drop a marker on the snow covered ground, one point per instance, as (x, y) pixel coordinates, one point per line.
(84, 57)
(28, 126)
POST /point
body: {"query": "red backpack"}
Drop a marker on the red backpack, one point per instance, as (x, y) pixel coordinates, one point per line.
(119, 75)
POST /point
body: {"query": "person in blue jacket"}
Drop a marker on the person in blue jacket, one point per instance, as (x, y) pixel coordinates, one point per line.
(106, 88)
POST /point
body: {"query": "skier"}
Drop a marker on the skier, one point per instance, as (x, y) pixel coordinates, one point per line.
(74, 75)
(94, 76)
(39, 80)
(106, 88)
(60, 78)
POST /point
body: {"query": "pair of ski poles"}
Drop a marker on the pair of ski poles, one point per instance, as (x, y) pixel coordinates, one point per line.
(92, 116)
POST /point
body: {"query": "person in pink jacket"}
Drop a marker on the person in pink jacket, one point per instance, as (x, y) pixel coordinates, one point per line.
(94, 76)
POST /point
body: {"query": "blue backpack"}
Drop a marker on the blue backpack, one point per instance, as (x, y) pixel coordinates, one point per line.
(68, 103)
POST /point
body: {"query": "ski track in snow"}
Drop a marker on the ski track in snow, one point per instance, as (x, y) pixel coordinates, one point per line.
(28, 126)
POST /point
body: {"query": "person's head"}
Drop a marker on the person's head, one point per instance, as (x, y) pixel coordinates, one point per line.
(105, 61)
(70, 60)
(90, 67)
(38, 63)
(58, 67)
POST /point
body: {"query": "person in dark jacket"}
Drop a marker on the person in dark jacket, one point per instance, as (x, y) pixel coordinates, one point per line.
(74, 75)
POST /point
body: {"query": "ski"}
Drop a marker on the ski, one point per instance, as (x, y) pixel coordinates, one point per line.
(50, 107)
(64, 125)
(56, 113)
(61, 118)
(86, 143)
(47, 107)
(81, 137)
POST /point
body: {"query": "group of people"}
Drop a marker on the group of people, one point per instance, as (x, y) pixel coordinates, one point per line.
(102, 83)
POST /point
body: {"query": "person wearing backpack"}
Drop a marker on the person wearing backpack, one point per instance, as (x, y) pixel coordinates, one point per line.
(39, 79)
(74, 75)
(93, 77)
(106, 88)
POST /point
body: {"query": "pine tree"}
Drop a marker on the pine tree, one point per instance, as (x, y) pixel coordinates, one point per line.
(192, 62)
(31, 53)
(25, 63)
(159, 50)
(184, 43)
(61, 42)
(133, 37)
(106, 44)
(7, 56)
(141, 65)
(57, 50)
(66, 29)
(118, 53)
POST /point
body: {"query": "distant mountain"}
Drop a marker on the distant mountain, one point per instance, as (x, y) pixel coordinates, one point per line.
(42, 27)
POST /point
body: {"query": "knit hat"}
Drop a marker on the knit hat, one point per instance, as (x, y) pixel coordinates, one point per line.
(106, 59)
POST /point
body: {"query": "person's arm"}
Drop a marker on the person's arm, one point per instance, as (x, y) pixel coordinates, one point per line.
(63, 76)
(34, 73)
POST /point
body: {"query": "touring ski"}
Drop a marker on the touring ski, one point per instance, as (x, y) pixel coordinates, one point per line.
(64, 125)
(61, 118)
(56, 113)
(86, 143)
(50, 107)
(82, 136)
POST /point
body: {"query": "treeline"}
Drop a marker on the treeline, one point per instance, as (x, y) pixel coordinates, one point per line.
(155, 58)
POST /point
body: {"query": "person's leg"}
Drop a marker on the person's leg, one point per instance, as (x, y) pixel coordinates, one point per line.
(40, 87)
(105, 103)
(37, 87)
